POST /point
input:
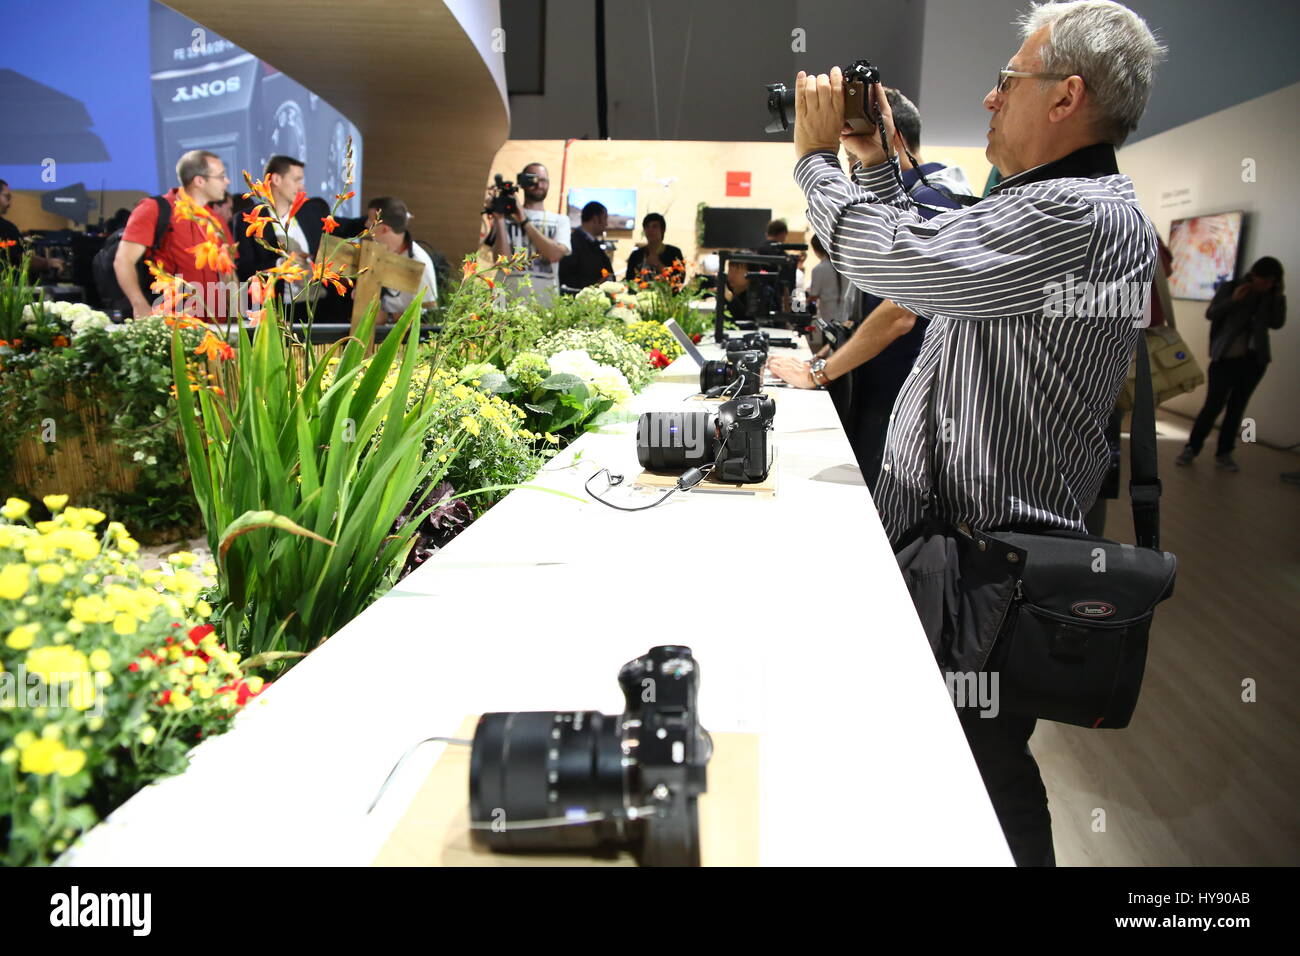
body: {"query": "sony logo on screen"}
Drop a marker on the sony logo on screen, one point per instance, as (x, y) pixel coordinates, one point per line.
(202, 90)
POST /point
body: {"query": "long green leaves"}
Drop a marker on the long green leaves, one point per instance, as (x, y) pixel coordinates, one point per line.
(300, 484)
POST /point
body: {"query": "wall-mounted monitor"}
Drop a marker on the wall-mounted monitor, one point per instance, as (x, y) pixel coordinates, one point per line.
(621, 204)
(1205, 250)
(726, 228)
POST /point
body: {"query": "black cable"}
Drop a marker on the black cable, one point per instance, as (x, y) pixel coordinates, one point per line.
(688, 480)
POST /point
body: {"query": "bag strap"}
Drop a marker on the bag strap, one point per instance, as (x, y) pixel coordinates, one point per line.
(1144, 479)
(163, 222)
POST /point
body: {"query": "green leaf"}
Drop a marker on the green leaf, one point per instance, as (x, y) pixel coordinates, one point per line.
(561, 381)
(254, 520)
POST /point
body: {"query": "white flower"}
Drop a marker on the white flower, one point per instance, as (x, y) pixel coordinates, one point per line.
(138, 456)
(612, 288)
(590, 294)
(573, 362)
(609, 382)
(619, 312)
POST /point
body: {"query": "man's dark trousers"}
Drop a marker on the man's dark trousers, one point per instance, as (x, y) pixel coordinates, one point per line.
(1000, 746)
(1230, 382)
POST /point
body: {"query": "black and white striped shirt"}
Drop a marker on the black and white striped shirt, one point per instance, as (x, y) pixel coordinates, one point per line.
(1035, 295)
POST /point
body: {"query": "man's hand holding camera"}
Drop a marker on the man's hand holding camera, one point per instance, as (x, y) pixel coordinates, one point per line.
(819, 119)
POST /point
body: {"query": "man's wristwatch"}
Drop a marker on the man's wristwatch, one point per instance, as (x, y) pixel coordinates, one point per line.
(816, 369)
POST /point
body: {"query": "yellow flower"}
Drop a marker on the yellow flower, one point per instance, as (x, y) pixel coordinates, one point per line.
(203, 609)
(59, 660)
(470, 425)
(41, 757)
(551, 439)
(55, 502)
(22, 636)
(148, 735)
(75, 627)
(15, 508)
(95, 724)
(152, 576)
(24, 739)
(100, 659)
(128, 545)
(180, 702)
(92, 609)
(52, 732)
(14, 579)
(69, 762)
(8, 756)
(182, 559)
(254, 685)
(48, 573)
(37, 552)
(41, 809)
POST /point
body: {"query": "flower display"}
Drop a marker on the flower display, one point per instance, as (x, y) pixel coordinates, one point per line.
(605, 348)
(108, 674)
(654, 336)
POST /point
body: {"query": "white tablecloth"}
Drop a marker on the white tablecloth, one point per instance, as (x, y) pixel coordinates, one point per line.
(795, 609)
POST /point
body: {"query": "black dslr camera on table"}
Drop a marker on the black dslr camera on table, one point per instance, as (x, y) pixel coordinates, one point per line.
(731, 444)
(501, 194)
(582, 780)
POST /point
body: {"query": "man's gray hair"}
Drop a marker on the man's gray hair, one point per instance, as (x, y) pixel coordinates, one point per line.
(1108, 45)
(194, 163)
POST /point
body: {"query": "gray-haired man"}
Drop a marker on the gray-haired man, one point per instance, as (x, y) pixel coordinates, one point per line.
(1002, 421)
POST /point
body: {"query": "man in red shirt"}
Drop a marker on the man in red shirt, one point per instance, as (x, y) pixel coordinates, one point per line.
(203, 177)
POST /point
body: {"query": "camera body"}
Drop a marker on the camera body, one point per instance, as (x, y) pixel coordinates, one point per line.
(734, 438)
(603, 782)
(502, 194)
(744, 366)
(859, 114)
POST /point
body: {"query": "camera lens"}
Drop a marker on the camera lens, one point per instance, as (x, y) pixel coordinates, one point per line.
(527, 769)
(674, 441)
(780, 108)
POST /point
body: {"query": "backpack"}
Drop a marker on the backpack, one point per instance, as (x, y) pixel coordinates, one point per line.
(106, 284)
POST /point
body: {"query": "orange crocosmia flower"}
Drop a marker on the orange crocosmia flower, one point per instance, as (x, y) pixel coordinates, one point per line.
(468, 270)
(324, 274)
(256, 223)
(60, 341)
(298, 200)
(329, 224)
(205, 255)
(214, 348)
(344, 197)
(255, 318)
(8, 243)
(604, 272)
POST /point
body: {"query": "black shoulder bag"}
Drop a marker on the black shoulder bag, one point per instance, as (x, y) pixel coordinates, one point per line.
(1061, 617)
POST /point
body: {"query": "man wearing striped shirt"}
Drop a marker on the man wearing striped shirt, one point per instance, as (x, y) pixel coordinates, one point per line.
(1034, 293)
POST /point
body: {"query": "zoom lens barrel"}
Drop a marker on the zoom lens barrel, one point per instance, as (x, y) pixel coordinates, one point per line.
(675, 441)
(533, 767)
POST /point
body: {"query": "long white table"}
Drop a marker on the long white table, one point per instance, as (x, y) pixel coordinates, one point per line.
(793, 605)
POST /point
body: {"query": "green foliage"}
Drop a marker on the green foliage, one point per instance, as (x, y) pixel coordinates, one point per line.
(315, 456)
(124, 373)
(606, 348)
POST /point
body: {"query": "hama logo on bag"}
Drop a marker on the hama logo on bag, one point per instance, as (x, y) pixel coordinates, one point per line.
(1092, 609)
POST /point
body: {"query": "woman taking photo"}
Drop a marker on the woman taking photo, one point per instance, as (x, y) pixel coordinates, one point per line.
(1241, 314)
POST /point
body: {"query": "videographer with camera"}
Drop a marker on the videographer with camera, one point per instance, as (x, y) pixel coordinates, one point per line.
(544, 235)
(1002, 421)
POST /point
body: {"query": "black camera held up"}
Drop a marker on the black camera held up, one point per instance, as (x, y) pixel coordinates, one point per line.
(501, 194)
(860, 114)
(732, 444)
(583, 780)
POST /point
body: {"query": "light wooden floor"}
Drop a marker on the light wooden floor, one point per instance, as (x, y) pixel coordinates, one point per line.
(1199, 777)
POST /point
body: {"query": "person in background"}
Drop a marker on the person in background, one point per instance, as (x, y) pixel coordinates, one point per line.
(777, 231)
(389, 224)
(1241, 314)
(648, 261)
(826, 288)
(588, 263)
(543, 235)
(9, 234)
(224, 209)
(285, 176)
(203, 177)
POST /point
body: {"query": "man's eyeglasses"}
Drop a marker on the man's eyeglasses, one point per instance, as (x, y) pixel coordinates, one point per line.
(1004, 77)
(219, 176)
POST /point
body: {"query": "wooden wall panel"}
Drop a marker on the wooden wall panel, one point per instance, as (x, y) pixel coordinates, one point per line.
(407, 75)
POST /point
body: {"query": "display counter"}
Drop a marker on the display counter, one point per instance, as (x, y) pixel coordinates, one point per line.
(793, 604)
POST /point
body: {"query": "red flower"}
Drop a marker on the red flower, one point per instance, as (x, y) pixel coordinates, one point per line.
(329, 224)
(200, 631)
(659, 360)
(298, 200)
